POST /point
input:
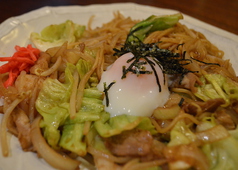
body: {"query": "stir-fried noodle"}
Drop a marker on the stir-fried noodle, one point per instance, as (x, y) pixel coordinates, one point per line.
(184, 108)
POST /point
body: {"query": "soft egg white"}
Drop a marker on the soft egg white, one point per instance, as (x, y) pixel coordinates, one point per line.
(136, 95)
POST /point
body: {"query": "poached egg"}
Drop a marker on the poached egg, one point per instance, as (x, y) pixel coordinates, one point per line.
(136, 95)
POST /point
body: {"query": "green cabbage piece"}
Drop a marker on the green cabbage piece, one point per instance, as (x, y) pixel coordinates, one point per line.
(95, 140)
(152, 24)
(53, 104)
(181, 134)
(91, 109)
(72, 138)
(217, 86)
(109, 126)
(57, 34)
(222, 154)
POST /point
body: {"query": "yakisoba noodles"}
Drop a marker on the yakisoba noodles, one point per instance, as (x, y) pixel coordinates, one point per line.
(184, 109)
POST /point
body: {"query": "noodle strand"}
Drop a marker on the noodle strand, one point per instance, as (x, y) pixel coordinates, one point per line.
(11, 107)
(174, 121)
(55, 159)
(85, 80)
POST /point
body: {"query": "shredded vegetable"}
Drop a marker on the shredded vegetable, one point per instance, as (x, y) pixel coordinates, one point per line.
(22, 59)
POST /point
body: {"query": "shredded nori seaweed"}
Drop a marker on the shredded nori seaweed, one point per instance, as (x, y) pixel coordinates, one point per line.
(106, 88)
(169, 62)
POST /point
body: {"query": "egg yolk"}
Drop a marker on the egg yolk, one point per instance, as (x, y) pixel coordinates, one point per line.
(136, 95)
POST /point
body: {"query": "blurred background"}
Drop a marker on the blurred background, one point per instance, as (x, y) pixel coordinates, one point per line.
(219, 13)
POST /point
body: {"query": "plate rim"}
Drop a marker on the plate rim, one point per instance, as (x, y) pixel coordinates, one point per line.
(45, 9)
(13, 21)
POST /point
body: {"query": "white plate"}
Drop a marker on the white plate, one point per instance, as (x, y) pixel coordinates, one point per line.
(16, 31)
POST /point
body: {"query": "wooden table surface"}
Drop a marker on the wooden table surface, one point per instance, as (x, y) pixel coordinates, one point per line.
(219, 13)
